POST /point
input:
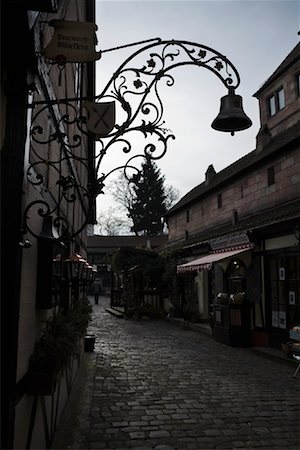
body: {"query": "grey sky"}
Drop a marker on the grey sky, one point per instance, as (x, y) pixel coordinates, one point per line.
(255, 36)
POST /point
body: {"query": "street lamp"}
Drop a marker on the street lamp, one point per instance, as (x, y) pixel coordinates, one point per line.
(129, 104)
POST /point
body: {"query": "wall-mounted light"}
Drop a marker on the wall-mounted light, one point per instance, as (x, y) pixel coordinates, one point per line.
(74, 267)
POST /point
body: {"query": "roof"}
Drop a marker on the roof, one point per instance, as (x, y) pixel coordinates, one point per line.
(291, 59)
(107, 243)
(279, 143)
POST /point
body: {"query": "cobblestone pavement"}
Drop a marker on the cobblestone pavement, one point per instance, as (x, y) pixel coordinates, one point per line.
(154, 385)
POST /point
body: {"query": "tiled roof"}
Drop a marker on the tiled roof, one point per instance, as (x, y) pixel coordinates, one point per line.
(292, 57)
(246, 164)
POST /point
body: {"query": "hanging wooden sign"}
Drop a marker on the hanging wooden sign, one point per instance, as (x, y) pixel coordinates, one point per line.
(100, 117)
(72, 42)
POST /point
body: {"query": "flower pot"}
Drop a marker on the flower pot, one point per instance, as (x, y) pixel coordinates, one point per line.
(89, 343)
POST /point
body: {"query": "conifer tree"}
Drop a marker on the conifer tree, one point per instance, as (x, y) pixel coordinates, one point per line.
(149, 201)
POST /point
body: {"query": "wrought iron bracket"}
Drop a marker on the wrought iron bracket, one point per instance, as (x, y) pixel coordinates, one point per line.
(134, 88)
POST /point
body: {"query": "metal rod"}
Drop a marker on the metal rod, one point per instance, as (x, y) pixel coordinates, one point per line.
(130, 45)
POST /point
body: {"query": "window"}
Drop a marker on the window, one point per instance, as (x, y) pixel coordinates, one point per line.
(276, 102)
(242, 191)
(298, 84)
(186, 235)
(187, 215)
(271, 176)
(272, 105)
(281, 100)
(219, 200)
(235, 217)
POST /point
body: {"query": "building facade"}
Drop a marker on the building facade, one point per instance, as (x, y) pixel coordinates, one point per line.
(41, 204)
(101, 248)
(238, 232)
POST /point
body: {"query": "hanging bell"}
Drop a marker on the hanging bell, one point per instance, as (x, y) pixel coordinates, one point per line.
(231, 117)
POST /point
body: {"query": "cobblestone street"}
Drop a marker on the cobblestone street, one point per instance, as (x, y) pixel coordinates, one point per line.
(154, 385)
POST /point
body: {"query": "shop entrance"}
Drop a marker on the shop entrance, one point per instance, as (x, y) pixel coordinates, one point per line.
(282, 296)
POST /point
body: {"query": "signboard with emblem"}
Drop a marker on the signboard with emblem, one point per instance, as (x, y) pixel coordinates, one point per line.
(100, 117)
(72, 42)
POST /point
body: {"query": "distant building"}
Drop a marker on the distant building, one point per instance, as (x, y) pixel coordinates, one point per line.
(99, 247)
(238, 231)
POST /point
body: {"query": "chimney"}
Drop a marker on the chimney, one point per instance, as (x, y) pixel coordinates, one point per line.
(209, 174)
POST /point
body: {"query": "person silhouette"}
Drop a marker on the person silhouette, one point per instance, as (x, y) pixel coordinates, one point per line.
(97, 289)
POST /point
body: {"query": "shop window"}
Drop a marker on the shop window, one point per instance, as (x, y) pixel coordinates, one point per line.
(276, 102)
(282, 296)
(271, 176)
(219, 201)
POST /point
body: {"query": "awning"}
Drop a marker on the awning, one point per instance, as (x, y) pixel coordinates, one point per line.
(206, 262)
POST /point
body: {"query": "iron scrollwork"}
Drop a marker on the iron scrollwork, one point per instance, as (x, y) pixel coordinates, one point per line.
(58, 146)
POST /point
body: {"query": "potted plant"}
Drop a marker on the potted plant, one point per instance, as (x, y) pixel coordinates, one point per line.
(59, 342)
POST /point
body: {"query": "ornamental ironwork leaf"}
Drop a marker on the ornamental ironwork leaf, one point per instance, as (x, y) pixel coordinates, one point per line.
(137, 84)
(66, 182)
(151, 62)
(147, 128)
(202, 54)
(219, 65)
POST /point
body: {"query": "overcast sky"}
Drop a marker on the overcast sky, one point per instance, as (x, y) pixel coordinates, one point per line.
(254, 35)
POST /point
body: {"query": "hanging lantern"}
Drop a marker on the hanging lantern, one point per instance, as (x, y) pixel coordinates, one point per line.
(85, 273)
(72, 42)
(74, 264)
(90, 274)
(101, 117)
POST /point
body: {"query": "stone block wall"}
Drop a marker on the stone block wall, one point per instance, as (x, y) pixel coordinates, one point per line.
(246, 196)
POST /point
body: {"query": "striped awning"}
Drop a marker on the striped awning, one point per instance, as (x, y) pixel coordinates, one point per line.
(206, 262)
